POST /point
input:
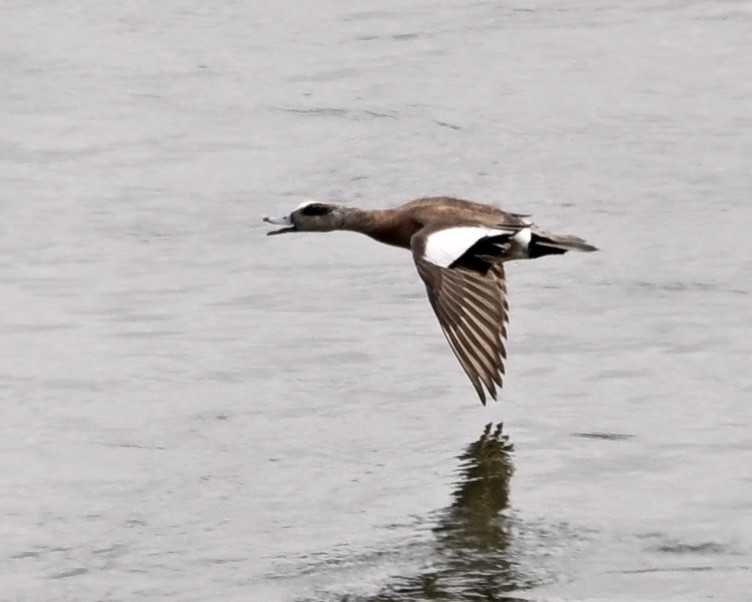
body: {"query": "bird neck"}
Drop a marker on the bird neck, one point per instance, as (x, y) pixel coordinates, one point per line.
(383, 225)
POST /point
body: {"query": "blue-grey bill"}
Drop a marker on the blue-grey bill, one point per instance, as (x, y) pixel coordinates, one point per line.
(280, 221)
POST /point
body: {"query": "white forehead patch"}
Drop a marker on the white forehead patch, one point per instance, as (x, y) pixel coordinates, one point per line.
(444, 247)
(306, 202)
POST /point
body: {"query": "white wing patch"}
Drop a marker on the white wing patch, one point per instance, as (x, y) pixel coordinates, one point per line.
(445, 246)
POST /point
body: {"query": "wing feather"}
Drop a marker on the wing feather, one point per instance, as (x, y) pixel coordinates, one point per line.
(473, 312)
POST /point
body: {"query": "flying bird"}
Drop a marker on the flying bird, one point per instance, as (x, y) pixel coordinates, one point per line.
(459, 248)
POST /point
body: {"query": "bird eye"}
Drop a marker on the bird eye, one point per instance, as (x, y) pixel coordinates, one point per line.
(316, 209)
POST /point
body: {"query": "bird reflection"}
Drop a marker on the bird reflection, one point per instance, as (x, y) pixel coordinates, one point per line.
(471, 559)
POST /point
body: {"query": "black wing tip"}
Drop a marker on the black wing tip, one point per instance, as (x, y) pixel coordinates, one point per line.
(482, 395)
(479, 390)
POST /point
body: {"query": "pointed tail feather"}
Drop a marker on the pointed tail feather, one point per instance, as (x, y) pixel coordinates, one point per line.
(546, 243)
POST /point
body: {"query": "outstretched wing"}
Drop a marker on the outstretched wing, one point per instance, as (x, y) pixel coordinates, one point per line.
(468, 295)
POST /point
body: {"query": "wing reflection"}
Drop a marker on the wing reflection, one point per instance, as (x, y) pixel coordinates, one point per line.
(472, 558)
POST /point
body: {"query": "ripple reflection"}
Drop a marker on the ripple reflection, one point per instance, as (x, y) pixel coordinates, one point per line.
(472, 557)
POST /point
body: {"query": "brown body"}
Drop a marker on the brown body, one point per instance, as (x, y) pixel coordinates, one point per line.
(397, 226)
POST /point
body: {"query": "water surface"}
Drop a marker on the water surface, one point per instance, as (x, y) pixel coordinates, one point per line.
(194, 411)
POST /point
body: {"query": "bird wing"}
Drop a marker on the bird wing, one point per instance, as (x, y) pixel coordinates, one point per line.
(472, 309)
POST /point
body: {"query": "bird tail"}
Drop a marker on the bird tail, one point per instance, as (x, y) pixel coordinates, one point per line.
(546, 243)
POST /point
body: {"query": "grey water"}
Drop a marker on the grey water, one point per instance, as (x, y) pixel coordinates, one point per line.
(191, 410)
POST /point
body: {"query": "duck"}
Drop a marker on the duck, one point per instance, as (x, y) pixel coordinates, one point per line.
(459, 248)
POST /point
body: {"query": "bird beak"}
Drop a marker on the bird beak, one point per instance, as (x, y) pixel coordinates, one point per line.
(280, 221)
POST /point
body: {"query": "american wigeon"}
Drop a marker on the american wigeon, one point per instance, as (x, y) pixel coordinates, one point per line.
(459, 248)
